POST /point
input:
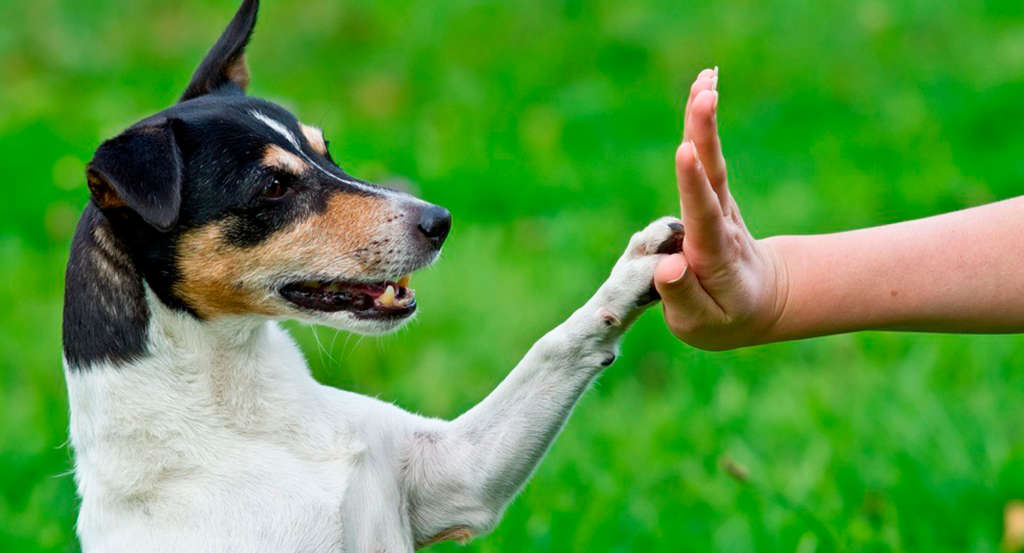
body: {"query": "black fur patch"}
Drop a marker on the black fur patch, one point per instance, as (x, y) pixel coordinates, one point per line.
(105, 311)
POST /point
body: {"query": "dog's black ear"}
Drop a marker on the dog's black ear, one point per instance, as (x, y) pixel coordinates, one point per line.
(140, 170)
(224, 69)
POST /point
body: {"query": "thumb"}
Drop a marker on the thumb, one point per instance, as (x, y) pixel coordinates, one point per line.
(681, 292)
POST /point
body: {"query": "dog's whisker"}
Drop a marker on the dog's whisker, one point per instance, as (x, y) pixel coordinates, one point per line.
(334, 339)
(319, 346)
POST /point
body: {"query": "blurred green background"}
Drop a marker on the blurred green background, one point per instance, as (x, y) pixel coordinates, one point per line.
(548, 128)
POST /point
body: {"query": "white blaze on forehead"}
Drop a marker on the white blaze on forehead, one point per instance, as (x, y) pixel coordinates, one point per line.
(282, 129)
(277, 126)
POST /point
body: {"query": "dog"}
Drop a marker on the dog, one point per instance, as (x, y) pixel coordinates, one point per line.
(195, 422)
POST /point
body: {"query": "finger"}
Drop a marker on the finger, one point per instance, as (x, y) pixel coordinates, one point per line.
(701, 210)
(703, 125)
(702, 82)
(684, 300)
(706, 80)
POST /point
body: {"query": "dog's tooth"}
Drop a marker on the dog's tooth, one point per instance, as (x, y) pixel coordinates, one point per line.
(404, 281)
(387, 299)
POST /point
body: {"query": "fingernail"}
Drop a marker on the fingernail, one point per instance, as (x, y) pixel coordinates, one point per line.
(714, 81)
(714, 103)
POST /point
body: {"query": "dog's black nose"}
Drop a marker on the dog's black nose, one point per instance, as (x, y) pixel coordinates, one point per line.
(434, 223)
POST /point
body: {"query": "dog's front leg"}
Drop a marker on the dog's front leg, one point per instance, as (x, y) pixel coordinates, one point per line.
(460, 475)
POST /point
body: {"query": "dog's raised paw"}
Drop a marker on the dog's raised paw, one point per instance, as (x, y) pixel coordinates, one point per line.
(663, 236)
(631, 283)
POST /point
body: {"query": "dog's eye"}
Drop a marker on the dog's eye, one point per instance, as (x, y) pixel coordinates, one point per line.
(277, 188)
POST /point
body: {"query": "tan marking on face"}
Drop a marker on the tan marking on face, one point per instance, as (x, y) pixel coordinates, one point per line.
(218, 278)
(279, 158)
(315, 137)
(458, 534)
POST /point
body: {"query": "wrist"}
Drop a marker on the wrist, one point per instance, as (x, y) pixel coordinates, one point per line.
(778, 252)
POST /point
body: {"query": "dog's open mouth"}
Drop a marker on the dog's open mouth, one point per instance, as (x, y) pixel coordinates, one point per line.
(379, 300)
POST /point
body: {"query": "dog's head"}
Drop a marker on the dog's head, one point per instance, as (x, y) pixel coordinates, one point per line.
(228, 205)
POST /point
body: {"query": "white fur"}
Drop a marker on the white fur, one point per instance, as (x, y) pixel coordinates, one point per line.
(220, 440)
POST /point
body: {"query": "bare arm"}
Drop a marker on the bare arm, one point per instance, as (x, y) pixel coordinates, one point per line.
(958, 272)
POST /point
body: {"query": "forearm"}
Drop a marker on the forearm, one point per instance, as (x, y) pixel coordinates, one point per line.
(957, 272)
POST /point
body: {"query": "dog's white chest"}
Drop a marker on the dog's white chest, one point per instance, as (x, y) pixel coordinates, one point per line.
(259, 465)
(253, 499)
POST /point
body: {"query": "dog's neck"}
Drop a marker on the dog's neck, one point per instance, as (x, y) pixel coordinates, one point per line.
(200, 388)
(185, 343)
(154, 389)
(124, 346)
(158, 389)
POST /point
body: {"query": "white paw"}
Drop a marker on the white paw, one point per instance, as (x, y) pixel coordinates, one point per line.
(593, 332)
(663, 236)
(630, 288)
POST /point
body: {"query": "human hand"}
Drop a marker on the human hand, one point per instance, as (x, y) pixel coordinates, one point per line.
(726, 289)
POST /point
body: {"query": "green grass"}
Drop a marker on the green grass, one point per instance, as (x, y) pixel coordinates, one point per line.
(548, 129)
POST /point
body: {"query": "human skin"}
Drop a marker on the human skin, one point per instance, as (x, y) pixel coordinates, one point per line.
(957, 272)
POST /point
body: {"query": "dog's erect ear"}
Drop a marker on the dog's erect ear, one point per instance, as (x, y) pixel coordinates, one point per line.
(140, 170)
(224, 69)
